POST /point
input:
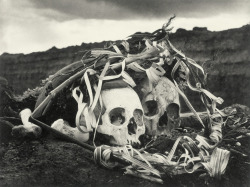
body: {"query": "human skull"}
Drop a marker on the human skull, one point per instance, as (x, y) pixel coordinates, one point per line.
(161, 107)
(122, 120)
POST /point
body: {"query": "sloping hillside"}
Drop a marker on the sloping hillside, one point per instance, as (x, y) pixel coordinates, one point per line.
(26, 71)
(226, 55)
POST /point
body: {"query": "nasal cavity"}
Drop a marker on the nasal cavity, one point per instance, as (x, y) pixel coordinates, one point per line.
(117, 116)
(132, 126)
(163, 121)
(150, 108)
(138, 115)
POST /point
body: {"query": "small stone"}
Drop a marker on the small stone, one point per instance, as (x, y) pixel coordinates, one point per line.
(238, 144)
(239, 137)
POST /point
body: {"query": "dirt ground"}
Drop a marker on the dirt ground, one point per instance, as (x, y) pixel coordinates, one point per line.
(52, 162)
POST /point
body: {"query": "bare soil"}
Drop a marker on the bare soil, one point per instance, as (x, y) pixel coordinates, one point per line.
(52, 162)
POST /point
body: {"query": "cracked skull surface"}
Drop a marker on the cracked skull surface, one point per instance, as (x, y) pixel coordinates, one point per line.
(122, 120)
(161, 107)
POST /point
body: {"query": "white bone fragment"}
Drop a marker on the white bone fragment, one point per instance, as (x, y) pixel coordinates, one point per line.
(63, 127)
(28, 129)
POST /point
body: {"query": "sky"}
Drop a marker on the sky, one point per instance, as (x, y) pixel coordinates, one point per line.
(37, 25)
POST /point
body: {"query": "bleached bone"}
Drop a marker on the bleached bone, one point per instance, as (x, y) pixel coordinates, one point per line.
(65, 128)
(161, 107)
(122, 120)
(28, 129)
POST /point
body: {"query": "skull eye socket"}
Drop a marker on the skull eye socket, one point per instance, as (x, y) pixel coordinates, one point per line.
(117, 116)
(150, 108)
(173, 110)
(138, 114)
(172, 113)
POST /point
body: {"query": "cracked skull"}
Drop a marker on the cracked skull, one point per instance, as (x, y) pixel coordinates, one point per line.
(161, 107)
(122, 120)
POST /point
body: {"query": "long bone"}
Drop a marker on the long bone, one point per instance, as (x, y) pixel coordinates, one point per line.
(27, 129)
(64, 127)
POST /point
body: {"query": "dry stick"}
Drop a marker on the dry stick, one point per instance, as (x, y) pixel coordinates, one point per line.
(237, 152)
(54, 92)
(10, 118)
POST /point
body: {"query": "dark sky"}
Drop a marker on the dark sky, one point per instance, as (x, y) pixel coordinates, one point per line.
(36, 25)
(143, 9)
